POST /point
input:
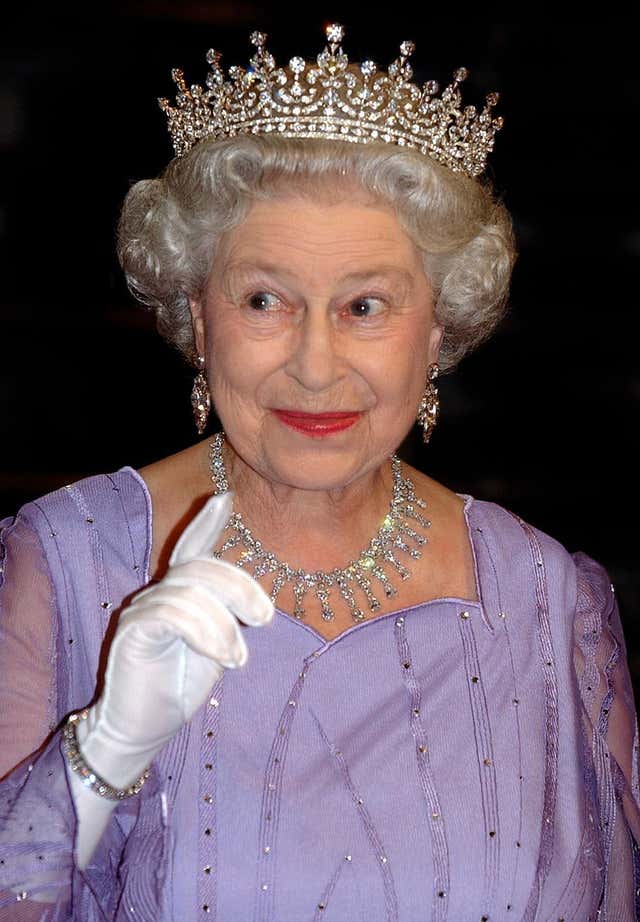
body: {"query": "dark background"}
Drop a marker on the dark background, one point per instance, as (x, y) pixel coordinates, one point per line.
(541, 420)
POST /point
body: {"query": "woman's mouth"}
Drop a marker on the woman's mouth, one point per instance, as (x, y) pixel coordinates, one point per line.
(317, 425)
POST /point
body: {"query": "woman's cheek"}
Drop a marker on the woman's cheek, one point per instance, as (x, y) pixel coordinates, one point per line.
(391, 376)
(239, 377)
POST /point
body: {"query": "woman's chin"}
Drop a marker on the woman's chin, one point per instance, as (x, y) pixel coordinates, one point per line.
(302, 466)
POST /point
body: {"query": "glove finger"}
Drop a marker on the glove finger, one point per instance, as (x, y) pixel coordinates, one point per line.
(201, 534)
(168, 677)
(158, 627)
(203, 624)
(238, 590)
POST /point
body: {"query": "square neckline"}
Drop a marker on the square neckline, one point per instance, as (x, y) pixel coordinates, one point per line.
(458, 601)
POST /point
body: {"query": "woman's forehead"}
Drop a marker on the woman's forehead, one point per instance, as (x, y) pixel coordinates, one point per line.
(352, 233)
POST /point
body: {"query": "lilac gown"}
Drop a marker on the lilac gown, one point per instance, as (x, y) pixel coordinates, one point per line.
(454, 760)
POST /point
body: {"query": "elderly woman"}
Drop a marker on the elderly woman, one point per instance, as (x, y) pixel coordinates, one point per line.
(282, 675)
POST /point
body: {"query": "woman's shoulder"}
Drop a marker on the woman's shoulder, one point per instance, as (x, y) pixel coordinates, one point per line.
(569, 581)
(504, 528)
(516, 536)
(144, 510)
(178, 486)
(99, 515)
(90, 499)
(179, 479)
(509, 548)
(90, 540)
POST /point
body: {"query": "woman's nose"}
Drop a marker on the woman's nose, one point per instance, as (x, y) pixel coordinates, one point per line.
(314, 360)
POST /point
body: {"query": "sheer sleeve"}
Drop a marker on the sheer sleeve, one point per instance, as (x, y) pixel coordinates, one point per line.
(38, 819)
(27, 646)
(611, 730)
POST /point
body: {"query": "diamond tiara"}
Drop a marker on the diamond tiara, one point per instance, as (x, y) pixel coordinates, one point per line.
(333, 98)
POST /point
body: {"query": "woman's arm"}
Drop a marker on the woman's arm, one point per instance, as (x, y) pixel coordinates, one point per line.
(611, 727)
(28, 636)
(38, 816)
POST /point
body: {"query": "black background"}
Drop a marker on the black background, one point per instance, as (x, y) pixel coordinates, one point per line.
(542, 419)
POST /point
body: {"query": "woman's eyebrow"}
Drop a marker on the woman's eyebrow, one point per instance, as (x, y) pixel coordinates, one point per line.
(242, 265)
(384, 271)
(239, 271)
(381, 271)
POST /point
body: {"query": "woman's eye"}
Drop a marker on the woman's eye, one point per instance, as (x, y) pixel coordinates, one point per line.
(367, 307)
(263, 301)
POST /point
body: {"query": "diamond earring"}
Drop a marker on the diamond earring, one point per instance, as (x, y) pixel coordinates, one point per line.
(430, 404)
(200, 397)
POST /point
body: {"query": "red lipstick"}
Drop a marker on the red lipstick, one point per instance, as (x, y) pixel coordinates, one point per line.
(317, 425)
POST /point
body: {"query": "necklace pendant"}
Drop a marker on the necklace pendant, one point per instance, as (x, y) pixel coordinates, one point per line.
(322, 592)
(299, 592)
(365, 585)
(402, 570)
(342, 581)
(389, 589)
(417, 517)
(410, 533)
(277, 585)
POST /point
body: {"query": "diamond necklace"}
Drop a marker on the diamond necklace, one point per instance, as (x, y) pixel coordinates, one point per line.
(394, 535)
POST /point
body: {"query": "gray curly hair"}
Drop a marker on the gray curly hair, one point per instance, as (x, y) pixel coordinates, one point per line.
(170, 227)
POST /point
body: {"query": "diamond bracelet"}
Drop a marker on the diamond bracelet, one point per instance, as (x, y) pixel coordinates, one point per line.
(86, 774)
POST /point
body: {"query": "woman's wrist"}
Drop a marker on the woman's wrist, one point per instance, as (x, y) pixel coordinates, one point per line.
(88, 767)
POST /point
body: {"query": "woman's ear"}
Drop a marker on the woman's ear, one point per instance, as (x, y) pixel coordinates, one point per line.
(435, 342)
(195, 306)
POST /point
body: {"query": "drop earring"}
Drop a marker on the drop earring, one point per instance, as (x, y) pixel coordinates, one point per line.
(429, 408)
(200, 397)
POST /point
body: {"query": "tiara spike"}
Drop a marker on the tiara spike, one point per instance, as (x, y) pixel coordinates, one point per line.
(336, 99)
(178, 78)
(258, 39)
(335, 35)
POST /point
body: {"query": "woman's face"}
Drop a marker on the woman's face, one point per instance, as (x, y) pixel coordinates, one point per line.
(317, 308)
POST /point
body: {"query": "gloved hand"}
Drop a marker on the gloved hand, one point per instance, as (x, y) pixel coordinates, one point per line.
(171, 645)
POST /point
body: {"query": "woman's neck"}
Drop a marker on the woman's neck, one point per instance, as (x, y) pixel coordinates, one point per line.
(303, 526)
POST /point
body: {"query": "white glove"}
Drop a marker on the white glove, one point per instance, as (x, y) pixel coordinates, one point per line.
(171, 645)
